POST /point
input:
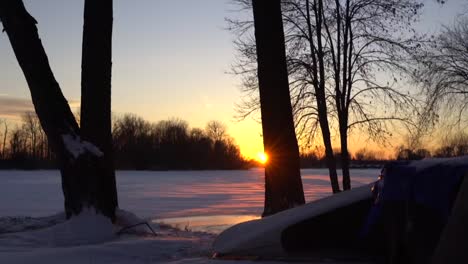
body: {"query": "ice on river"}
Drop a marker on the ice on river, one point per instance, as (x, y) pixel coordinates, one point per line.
(187, 209)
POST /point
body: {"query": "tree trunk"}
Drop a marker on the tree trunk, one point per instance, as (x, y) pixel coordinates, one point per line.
(96, 71)
(329, 156)
(78, 160)
(283, 185)
(319, 85)
(4, 140)
(345, 157)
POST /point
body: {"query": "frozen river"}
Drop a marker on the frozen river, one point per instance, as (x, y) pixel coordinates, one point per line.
(163, 194)
(208, 201)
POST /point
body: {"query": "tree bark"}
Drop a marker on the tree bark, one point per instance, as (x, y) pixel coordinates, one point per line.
(330, 159)
(96, 72)
(78, 160)
(343, 115)
(283, 184)
(319, 86)
(345, 158)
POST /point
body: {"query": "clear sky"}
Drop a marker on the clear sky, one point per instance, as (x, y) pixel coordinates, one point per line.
(170, 59)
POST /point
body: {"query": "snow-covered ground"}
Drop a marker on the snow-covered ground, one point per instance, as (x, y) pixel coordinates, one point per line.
(193, 205)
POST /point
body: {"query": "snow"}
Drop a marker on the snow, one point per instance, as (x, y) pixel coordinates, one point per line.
(126, 219)
(200, 203)
(83, 229)
(164, 194)
(11, 224)
(263, 236)
(429, 162)
(77, 147)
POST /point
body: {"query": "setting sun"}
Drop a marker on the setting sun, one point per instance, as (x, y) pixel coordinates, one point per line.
(262, 157)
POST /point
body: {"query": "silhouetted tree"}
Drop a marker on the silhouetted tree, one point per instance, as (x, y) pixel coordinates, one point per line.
(364, 154)
(5, 136)
(18, 146)
(453, 146)
(283, 185)
(346, 43)
(31, 128)
(215, 130)
(169, 144)
(96, 71)
(132, 143)
(345, 58)
(79, 161)
(444, 73)
(410, 154)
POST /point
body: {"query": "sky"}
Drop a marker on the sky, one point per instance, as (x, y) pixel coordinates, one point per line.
(171, 59)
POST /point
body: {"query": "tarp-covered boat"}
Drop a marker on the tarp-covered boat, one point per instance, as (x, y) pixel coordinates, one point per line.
(331, 224)
(400, 220)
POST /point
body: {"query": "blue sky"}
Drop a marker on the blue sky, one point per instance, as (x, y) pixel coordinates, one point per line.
(170, 59)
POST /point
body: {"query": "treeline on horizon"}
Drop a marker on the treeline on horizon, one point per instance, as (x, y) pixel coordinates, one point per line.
(173, 145)
(453, 145)
(138, 144)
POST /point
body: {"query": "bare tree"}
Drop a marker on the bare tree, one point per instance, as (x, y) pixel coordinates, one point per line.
(18, 144)
(346, 59)
(283, 185)
(32, 128)
(5, 136)
(444, 74)
(215, 130)
(79, 160)
(453, 145)
(96, 71)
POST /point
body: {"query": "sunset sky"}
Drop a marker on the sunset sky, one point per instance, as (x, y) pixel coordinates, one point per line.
(170, 59)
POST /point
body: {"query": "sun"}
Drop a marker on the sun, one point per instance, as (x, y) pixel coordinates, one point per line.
(262, 157)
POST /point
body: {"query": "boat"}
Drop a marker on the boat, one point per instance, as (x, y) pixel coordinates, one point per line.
(397, 219)
(328, 227)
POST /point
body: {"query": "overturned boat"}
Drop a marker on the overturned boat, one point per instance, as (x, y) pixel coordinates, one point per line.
(328, 226)
(397, 219)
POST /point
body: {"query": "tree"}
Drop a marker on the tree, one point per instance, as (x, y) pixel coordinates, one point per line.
(365, 154)
(283, 185)
(31, 127)
(215, 130)
(355, 40)
(309, 107)
(453, 146)
(96, 71)
(443, 73)
(5, 136)
(345, 59)
(79, 160)
(18, 148)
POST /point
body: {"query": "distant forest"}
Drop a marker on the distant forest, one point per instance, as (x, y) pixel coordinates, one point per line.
(173, 145)
(138, 144)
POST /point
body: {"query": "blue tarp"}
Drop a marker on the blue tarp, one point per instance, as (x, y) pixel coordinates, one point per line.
(432, 184)
(433, 187)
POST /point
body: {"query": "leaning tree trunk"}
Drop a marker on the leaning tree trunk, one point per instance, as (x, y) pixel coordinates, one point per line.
(283, 185)
(96, 71)
(78, 160)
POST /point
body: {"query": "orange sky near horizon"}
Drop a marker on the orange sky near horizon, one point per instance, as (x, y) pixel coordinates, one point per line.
(164, 65)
